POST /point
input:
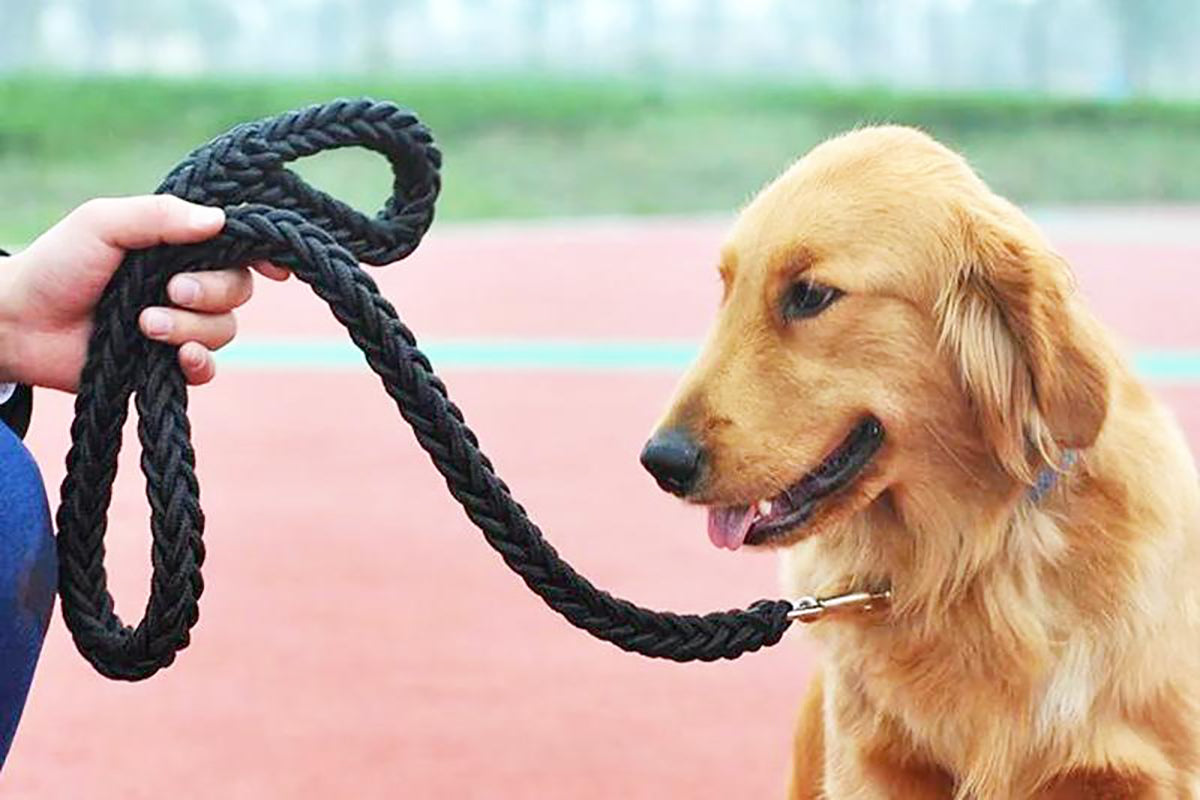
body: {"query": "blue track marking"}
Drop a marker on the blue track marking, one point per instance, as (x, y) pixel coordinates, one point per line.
(471, 354)
(1164, 366)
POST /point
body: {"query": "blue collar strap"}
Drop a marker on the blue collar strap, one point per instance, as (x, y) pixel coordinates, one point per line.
(1049, 476)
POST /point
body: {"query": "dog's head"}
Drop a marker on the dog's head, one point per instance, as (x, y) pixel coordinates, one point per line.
(888, 323)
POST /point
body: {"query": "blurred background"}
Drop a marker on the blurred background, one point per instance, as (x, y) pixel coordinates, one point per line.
(356, 639)
(594, 107)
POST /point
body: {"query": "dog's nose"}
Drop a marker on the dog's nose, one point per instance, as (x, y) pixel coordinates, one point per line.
(673, 458)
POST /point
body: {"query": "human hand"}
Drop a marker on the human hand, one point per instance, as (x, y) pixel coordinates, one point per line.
(49, 290)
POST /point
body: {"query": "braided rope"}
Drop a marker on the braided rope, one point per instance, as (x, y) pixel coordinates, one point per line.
(273, 214)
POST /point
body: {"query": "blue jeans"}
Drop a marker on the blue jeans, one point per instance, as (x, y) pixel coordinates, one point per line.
(28, 578)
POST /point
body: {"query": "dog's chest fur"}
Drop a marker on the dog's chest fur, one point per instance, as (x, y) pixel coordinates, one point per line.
(1023, 678)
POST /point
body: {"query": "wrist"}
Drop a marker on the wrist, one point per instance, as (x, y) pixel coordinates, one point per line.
(9, 336)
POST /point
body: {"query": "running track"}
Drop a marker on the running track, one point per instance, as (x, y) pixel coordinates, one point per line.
(358, 640)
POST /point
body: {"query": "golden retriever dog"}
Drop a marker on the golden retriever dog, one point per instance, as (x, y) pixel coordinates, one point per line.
(903, 390)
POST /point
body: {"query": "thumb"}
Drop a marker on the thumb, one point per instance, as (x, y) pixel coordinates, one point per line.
(75, 258)
(133, 223)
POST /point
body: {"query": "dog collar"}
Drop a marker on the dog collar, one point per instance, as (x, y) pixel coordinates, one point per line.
(1048, 477)
(810, 609)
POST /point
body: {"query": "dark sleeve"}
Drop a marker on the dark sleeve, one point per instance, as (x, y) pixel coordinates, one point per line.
(15, 413)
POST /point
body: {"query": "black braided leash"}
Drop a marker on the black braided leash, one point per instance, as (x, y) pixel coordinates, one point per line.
(273, 214)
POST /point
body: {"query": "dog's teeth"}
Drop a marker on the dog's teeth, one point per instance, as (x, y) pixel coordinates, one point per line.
(764, 507)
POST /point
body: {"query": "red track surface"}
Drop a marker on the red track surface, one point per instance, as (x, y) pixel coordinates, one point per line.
(358, 640)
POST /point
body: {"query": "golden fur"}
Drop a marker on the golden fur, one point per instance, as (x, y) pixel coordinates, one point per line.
(1034, 649)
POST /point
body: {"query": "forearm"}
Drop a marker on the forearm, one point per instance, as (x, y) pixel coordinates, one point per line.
(9, 322)
(7, 343)
(16, 401)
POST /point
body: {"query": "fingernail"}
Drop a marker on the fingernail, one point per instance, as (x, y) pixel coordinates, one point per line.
(194, 357)
(184, 291)
(206, 216)
(157, 323)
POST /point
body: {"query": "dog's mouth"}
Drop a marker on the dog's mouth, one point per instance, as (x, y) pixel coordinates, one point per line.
(770, 520)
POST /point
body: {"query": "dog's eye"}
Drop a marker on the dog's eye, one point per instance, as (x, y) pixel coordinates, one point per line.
(806, 299)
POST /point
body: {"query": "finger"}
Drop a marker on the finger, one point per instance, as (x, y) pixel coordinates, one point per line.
(272, 271)
(132, 223)
(197, 363)
(216, 292)
(176, 326)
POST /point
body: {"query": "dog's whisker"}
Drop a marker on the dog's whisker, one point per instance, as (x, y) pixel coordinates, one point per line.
(941, 443)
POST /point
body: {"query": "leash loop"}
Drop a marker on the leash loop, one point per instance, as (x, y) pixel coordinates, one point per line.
(272, 214)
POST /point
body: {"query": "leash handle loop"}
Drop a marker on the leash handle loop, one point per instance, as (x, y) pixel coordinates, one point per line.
(271, 214)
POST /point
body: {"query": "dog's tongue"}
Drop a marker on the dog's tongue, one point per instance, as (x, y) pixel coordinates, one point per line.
(727, 527)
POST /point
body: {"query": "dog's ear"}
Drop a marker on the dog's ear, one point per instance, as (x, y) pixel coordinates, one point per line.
(1037, 380)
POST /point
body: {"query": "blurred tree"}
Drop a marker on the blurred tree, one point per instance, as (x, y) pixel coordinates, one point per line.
(215, 24)
(536, 20)
(941, 43)
(335, 32)
(97, 20)
(1147, 33)
(1107, 46)
(18, 39)
(991, 53)
(646, 57)
(862, 41)
(375, 25)
(1037, 43)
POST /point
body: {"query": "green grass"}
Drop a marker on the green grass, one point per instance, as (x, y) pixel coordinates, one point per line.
(534, 147)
